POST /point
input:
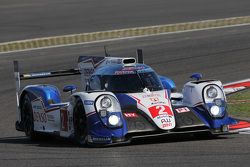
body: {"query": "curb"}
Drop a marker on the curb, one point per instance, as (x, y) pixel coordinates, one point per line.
(121, 33)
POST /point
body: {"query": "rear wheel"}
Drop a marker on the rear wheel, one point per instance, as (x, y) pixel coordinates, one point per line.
(80, 123)
(27, 118)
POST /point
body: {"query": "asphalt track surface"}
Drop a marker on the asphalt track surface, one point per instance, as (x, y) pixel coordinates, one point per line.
(221, 53)
(27, 19)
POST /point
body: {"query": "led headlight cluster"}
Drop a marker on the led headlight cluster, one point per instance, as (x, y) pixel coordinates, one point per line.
(214, 100)
(109, 110)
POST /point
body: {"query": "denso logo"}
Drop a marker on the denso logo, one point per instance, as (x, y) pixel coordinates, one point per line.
(151, 95)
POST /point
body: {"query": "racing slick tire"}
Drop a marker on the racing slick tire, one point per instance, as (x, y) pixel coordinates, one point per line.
(80, 123)
(27, 118)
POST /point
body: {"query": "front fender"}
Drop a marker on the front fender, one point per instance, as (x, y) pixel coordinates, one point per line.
(98, 132)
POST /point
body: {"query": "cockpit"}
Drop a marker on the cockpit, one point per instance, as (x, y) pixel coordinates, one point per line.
(130, 82)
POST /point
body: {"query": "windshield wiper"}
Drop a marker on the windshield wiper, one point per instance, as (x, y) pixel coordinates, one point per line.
(142, 83)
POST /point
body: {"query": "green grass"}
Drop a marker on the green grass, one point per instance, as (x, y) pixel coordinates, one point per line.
(237, 108)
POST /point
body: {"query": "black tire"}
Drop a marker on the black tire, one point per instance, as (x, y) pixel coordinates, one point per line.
(27, 118)
(80, 123)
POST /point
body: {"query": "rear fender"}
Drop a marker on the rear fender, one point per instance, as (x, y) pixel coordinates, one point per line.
(48, 93)
(45, 101)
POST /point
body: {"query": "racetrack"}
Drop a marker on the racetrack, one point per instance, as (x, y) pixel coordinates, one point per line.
(223, 54)
(31, 19)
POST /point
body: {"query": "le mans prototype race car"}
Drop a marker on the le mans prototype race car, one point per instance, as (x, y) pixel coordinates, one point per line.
(120, 100)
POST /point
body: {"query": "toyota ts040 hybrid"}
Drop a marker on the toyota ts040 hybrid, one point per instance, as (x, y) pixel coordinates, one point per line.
(121, 99)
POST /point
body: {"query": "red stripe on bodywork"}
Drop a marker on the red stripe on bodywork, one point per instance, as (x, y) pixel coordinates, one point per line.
(138, 100)
(91, 113)
(166, 94)
(52, 109)
(240, 125)
(241, 84)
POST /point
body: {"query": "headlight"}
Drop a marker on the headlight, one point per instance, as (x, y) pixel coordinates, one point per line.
(219, 102)
(114, 120)
(212, 92)
(106, 102)
(215, 101)
(109, 110)
(215, 110)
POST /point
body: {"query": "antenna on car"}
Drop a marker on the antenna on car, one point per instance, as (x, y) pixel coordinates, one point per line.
(140, 56)
(106, 53)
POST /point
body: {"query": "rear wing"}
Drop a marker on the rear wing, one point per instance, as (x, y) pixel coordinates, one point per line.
(35, 75)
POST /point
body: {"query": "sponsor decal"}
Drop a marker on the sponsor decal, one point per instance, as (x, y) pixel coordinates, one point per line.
(124, 72)
(167, 125)
(182, 110)
(100, 139)
(133, 68)
(40, 74)
(88, 102)
(160, 110)
(151, 95)
(39, 114)
(130, 115)
(154, 99)
(165, 120)
(64, 119)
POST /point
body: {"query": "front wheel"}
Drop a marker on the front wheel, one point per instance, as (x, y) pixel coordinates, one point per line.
(80, 123)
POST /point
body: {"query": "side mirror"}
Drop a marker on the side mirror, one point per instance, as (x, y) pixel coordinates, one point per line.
(167, 83)
(196, 76)
(69, 88)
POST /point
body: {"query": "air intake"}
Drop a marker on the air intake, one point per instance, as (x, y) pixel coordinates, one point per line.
(128, 61)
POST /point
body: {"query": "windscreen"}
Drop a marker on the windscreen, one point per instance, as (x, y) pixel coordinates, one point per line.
(130, 83)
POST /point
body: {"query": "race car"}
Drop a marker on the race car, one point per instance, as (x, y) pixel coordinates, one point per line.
(121, 99)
